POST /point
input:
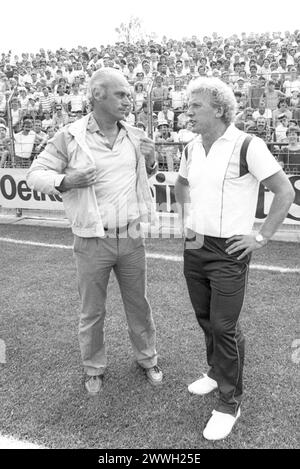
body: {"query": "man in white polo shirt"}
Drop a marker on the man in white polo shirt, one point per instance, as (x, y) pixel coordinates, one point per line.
(217, 188)
(99, 164)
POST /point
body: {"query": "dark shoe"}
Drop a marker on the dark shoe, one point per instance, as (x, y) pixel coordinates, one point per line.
(154, 375)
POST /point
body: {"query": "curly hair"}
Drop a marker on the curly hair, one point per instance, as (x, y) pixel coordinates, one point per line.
(221, 95)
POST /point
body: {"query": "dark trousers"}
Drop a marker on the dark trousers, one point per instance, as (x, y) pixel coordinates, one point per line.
(217, 284)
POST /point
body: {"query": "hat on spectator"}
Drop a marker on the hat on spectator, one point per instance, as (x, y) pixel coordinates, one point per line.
(282, 116)
(240, 79)
(293, 128)
(162, 122)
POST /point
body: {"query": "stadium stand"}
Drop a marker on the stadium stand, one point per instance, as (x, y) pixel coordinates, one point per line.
(41, 92)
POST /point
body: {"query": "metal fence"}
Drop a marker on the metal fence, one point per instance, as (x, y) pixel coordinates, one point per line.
(168, 106)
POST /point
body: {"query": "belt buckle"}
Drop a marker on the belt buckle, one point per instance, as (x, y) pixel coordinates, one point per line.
(117, 230)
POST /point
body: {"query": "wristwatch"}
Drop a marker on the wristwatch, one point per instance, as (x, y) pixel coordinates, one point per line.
(260, 239)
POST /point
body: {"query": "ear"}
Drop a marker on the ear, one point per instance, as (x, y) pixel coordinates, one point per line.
(220, 112)
(98, 94)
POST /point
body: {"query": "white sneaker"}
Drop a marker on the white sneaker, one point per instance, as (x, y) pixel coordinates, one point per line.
(220, 425)
(203, 385)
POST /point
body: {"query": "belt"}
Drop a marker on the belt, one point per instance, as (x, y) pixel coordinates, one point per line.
(117, 230)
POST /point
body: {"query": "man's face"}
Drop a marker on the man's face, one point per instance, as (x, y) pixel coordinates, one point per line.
(179, 67)
(2, 132)
(163, 129)
(261, 123)
(140, 76)
(27, 126)
(262, 106)
(146, 67)
(37, 126)
(201, 113)
(282, 105)
(293, 137)
(117, 99)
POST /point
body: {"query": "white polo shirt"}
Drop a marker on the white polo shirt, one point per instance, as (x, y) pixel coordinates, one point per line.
(223, 189)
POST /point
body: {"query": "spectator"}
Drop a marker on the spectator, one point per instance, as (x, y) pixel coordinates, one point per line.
(182, 119)
(4, 155)
(143, 115)
(241, 100)
(241, 85)
(60, 117)
(23, 100)
(139, 96)
(244, 119)
(2, 103)
(4, 145)
(272, 96)
(265, 70)
(281, 128)
(50, 132)
(3, 83)
(263, 112)
(24, 143)
(292, 83)
(16, 113)
(46, 101)
(47, 120)
(159, 94)
(76, 101)
(289, 155)
(282, 109)
(166, 114)
(167, 154)
(131, 74)
(262, 129)
(256, 91)
(294, 100)
(61, 97)
(129, 116)
(40, 138)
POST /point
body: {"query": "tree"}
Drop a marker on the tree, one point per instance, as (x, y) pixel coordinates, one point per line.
(130, 32)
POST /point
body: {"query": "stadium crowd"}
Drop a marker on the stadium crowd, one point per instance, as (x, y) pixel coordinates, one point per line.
(48, 91)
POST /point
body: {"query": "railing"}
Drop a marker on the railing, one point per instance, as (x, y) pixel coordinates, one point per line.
(168, 156)
(10, 127)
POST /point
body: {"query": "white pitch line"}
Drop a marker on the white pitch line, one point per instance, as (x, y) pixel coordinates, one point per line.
(165, 257)
(33, 243)
(8, 442)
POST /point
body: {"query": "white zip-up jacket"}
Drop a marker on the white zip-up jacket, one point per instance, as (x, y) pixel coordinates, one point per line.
(81, 207)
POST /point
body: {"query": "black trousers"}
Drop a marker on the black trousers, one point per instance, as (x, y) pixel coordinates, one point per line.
(217, 285)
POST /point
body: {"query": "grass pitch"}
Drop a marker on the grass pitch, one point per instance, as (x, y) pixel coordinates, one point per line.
(41, 391)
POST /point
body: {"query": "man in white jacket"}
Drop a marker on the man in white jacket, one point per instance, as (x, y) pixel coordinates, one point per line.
(99, 165)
